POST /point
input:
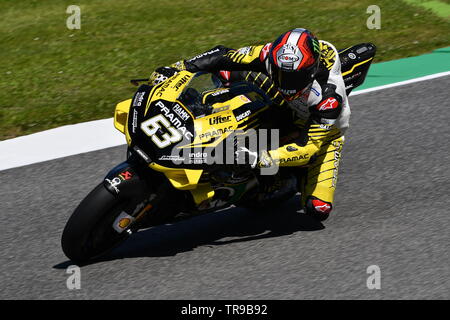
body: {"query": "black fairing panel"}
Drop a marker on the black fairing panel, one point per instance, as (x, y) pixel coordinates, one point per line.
(140, 111)
(355, 63)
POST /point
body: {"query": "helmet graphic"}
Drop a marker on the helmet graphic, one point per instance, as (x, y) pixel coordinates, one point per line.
(294, 61)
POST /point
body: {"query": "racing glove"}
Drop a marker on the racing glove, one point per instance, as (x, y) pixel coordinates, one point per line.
(162, 74)
(263, 160)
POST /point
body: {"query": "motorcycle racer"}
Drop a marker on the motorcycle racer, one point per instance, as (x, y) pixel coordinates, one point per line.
(302, 76)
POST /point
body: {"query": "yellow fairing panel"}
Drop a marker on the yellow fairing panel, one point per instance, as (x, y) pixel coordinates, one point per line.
(218, 125)
(187, 179)
(170, 89)
(121, 115)
(183, 179)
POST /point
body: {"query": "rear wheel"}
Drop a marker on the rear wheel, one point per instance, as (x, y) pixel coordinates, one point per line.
(89, 232)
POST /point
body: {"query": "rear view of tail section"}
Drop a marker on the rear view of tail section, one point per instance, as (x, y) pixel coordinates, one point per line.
(355, 63)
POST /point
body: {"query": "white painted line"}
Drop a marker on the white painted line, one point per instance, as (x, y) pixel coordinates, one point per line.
(59, 142)
(401, 83)
(94, 135)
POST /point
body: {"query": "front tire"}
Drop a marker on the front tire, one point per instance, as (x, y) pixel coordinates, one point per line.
(89, 232)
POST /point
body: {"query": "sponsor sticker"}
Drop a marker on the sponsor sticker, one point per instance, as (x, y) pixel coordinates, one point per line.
(123, 176)
(179, 110)
(175, 120)
(126, 175)
(330, 103)
(353, 76)
(215, 133)
(114, 183)
(122, 222)
(225, 74)
(134, 124)
(296, 158)
(244, 50)
(218, 93)
(163, 87)
(265, 51)
(287, 92)
(325, 126)
(125, 222)
(198, 157)
(171, 158)
(244, 98)
(321, 206)
(288, 58)
(317, 93)
(219, 120)
(182, 81)
(142, 154)
(243, 115)
(220, 109)
(291, 148)
(204, 54)
(138, 99)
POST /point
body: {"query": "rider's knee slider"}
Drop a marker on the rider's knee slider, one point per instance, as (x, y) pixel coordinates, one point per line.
(318, 208)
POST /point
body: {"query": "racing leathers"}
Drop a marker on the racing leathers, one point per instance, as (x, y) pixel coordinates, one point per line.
(323, 109)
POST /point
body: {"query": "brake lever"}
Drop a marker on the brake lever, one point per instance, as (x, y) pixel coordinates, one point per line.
(135, 82)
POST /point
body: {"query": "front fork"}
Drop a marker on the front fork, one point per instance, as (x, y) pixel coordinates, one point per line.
(150, 198)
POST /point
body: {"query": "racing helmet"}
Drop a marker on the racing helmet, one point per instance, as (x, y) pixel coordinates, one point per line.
(293, 62)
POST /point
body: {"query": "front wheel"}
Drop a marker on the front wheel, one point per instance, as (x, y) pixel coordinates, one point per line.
(89, 232)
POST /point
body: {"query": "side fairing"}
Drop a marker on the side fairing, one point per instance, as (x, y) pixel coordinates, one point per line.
(355, 63)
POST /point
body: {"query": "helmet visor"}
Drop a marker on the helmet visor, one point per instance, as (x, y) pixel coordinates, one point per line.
(290, 83)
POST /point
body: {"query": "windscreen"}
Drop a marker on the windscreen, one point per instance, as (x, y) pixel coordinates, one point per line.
(192, 95)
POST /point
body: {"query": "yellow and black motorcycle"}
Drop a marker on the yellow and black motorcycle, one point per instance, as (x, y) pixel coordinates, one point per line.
(181, 137)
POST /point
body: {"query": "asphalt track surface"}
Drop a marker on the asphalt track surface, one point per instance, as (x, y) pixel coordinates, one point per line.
(391, 210)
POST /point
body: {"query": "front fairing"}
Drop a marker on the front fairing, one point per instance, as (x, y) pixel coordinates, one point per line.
(175, 121)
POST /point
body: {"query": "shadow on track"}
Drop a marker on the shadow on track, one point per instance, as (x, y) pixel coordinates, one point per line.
(214, 229)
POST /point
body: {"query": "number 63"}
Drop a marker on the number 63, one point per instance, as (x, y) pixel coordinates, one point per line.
(152, 125)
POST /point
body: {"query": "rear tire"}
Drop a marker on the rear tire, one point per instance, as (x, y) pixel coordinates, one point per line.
(89, 232)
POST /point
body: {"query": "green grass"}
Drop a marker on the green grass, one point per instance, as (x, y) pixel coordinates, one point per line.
(51, 76)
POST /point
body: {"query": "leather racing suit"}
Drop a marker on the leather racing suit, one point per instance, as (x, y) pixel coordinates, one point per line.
(324, 109)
